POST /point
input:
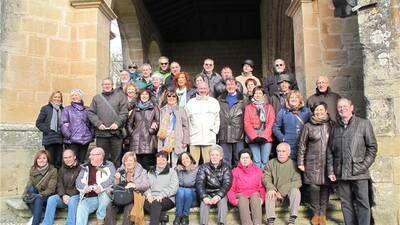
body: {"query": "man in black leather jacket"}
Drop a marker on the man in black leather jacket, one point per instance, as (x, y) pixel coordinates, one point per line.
(213, 182)
(352, 150)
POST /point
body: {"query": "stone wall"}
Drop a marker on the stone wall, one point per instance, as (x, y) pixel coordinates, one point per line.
(380, 35)
(325, 45)
(225, 53)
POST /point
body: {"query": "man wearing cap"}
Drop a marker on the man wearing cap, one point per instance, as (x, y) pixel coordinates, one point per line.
(247, 67)
(213, 182)
(210, 77)
(133, 72)
(271, 80)
(164, 71)
(278, 98)
(323, 93)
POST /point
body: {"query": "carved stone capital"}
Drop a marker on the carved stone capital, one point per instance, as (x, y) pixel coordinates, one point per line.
(100, 4)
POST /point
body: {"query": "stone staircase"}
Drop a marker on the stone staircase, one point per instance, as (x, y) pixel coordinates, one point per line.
(17, 207)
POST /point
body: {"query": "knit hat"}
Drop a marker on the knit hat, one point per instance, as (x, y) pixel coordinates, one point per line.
(78, 92)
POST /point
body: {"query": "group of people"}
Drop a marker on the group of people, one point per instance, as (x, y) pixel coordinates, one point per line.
(180, 141)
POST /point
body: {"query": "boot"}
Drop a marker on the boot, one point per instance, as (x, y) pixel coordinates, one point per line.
(177, 220)
(164, 220)
(185, 220)
(322, 220)
(100, 222)
(315, 220)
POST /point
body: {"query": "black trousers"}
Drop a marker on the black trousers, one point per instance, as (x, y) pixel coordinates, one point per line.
(112, 147)
(354, 197)
(55, 151)
(80, 151)
(158, 209)
(111, 214)
(146, 160)
(319, 197)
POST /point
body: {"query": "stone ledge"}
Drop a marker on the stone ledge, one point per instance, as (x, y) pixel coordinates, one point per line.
(100, 4)
(18, 127)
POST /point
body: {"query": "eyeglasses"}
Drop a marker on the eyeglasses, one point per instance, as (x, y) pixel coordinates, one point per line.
(278, 65)
(165, 63)
(171, 96)
(207, 64)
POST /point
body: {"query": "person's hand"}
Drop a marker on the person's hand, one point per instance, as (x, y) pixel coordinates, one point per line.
(97, 189)
(184, 146)
(130, 185)
(102, 127)
(65, 199)
(150, 198)
(332, 177)
(301, 168)
(158, 198)
(279, 195)
(153, 125)
(207, 201)
(88, 189)
(215, 199)
(113, 126)
(271, 194)
(117, 175)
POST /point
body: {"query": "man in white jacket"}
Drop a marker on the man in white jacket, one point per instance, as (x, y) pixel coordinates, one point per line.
(203, 115)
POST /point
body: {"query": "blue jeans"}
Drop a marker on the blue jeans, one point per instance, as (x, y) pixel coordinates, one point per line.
(54, 202)
(260, 153)
(37, 206)
(231, 151)
(91, 204)
(185, 199)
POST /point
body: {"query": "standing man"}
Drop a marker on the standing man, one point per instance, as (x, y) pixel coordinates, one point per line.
(124, 79)
(164, 71)
(108, 113)
(323, 93)
(278, 99)
(203, 116)
(271, 81)
(220, 88)
(247, 73)
(144, 81)
(230, 134)
(352, 150)
(209, 76)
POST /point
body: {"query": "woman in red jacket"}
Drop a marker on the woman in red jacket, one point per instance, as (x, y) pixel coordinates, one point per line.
(247, 191)
(259, 118)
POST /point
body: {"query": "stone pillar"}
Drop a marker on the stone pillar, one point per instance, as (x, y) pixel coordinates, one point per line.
(380, 35)
(325, 45)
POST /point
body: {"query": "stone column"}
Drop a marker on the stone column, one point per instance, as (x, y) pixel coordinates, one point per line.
(380, 35)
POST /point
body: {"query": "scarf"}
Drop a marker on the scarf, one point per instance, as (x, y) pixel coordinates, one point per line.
(137, 213)
(144, 105)
(43, 170)
(260, 110)
(55, 117)
(181, 93)
(166, 133)
(316, 121)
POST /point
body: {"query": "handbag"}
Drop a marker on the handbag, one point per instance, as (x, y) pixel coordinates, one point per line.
(122, 196)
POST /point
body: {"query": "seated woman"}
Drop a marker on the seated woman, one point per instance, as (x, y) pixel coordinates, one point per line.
(130, 175)
(186, 194)
(41, 184)
(67, 195)
(163, 186)
(247, 191)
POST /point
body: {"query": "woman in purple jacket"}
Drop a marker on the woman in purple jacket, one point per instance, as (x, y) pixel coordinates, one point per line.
(75, 126)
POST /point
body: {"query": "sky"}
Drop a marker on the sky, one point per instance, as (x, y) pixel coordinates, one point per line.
(115, 44)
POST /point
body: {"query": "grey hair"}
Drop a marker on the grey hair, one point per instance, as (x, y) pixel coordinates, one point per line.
(107, 78)
(345, 100)
(146, 65)
(283, 144)
(101, 150)
(217, 148)
(78, 92)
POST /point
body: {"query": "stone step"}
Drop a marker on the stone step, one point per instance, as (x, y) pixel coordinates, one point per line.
(334, 214)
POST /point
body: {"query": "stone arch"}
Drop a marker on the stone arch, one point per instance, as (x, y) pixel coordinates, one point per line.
(153, 53)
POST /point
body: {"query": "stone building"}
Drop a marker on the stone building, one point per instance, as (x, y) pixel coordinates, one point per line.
(48, 45)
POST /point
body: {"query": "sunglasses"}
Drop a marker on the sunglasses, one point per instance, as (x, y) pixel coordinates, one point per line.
(278, 65)
(171, 96)
(164, 63)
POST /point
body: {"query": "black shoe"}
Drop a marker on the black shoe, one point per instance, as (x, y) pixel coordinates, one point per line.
(185, 220)
(164, 220)
(177, 220)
